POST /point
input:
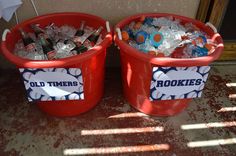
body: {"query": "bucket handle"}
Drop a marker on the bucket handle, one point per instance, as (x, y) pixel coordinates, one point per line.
(119, 33)
(4, 34)
(108, 26)
(209, 24)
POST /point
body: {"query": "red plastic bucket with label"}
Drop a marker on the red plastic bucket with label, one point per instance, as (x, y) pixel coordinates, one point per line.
(88, 67)
(138, 67)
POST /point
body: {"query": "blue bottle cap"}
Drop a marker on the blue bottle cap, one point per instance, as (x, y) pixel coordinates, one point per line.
(141, 37)
(156, 38)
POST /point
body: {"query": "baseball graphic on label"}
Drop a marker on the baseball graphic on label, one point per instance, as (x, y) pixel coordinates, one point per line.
(166, 97)
(82, 96)
(158, 74)
(181, 68)
(205, 77)
(201, 86)
(179, 96)
(26, 85)
(81, 89)
(80, 79)
(73, 96)
(46, 98)
(75, 71)
(153, 84)
(60, 98)
(27, 75)
(31, 69)
(166, 68)
(48, 69)
(192, 68)
(155, 94)
(199, 94)
(192, 95)
(35, 95)
(204, 69)
(61, 70)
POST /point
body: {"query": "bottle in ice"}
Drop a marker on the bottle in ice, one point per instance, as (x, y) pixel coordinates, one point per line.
(93, 38)
(29, 43)
(78, 49)
(47, 49)
(79, 33)
(40, 32)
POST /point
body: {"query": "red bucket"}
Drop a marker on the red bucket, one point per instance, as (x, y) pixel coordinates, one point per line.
(137, 69)
(90, 63)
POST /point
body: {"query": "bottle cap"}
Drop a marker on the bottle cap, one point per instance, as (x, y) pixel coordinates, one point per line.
(156, 39)
(138, 25)
(125, 35)
(141, 37)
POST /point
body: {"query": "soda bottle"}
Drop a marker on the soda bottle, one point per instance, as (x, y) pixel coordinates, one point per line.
(47, 49)
(28, 41)
(79, 33)
(92, 39)
(79, 49)
(40, 32)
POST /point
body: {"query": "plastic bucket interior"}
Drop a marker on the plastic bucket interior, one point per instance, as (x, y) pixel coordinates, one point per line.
(137, 69)
(91, 62)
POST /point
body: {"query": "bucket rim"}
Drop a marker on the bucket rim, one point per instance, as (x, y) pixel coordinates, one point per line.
(167, 61)
(63, 62)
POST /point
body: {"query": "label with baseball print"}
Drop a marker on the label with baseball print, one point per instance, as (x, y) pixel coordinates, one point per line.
(170, 83)
(50, 84)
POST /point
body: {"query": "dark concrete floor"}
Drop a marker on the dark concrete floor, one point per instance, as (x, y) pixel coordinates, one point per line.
(206, 127)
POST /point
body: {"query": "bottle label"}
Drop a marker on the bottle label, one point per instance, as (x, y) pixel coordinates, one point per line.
(170, 83)
(43, 35)
(88, 44)
(31, 47)
(51, 55)
(77, 40)
(52, 84)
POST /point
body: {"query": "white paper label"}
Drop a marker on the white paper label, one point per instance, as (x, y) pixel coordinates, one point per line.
(53, 84)
(169, 83)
